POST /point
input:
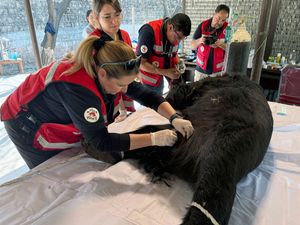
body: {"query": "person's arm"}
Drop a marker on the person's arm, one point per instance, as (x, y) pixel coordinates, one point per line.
(153, 100)
(185, 127)
(161, 138)
(139, 141)
(144, 96)
(166, 110)
(148, 67)
(198, 39)
(76, 103)
(104, 141)
(219, 44)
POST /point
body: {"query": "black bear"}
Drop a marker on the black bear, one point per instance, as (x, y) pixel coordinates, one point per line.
(233, 126)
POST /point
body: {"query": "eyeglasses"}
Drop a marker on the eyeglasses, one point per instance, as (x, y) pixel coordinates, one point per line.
(112, 16)
(178, 37)
(128, 65)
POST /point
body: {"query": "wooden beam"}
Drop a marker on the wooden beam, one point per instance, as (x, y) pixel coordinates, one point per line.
(261, 39)
(32, 34)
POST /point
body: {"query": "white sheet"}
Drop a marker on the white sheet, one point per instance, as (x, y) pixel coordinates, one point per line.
(11, 163)
(73, 188)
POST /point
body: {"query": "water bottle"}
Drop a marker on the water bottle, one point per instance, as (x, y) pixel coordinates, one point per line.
(292, 59)
(5, 55)
(278, 58)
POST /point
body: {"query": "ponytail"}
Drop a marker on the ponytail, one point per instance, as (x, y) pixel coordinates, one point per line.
(83, 57)
(93, 52)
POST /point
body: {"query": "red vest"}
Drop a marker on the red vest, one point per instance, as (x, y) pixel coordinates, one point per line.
(128, 102)
(124, 34)
(157, 59)
(51, 136)
(204, 50)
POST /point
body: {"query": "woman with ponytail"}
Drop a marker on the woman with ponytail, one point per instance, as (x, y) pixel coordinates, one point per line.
(75, 99)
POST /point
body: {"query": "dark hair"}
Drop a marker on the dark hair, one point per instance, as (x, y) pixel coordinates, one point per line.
(222, 8)
(98, 5)
(88, 14)
(182, 23)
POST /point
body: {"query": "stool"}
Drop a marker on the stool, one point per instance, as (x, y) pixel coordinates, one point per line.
(12, 61)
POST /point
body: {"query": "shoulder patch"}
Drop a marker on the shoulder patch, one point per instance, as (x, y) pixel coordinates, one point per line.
(144, 49)
(156, 64)
(91, 115)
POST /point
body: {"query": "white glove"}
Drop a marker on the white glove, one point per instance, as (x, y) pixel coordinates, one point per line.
(185, 127)
(180, 66)
(164, 138)
(122, 116)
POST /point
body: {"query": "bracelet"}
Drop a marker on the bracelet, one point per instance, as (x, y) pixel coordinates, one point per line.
(174, 116)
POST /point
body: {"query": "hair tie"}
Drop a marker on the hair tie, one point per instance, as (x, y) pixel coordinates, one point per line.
(99, 43)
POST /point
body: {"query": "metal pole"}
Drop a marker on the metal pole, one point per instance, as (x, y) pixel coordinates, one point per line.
(32, 34)
(261, 40)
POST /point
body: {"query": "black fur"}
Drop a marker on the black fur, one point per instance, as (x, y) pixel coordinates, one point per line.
(233, 127)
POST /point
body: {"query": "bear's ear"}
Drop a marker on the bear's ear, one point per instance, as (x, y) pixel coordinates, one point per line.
(180, 96)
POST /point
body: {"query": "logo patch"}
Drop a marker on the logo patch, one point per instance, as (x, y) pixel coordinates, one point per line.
(202, 49)
(91, 115)
(144, 49)
(156, 64)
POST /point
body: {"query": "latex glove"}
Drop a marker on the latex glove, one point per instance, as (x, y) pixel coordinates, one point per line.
(180, 66)
(122, 116)
(185, 127)
(164, 138)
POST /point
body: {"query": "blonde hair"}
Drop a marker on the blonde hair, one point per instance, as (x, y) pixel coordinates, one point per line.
(111, 51)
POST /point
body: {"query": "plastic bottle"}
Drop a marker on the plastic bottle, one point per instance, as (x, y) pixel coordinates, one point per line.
(228, 33)
(1, 50)
(5, 55)
(278, 58)
(292, 59)
(283, 61)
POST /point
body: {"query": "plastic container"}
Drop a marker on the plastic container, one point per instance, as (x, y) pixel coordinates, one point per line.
(236, 59)
(237, 52)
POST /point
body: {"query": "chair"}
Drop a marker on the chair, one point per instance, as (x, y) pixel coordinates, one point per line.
(289, 86)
